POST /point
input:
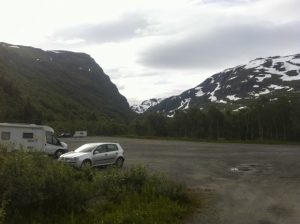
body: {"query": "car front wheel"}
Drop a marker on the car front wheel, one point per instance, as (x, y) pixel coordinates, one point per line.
(58, 153)
(86, 163)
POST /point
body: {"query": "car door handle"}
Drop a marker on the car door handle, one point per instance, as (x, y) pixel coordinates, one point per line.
(105, 154)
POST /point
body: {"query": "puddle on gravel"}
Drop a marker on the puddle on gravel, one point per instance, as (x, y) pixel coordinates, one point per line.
(250, 168)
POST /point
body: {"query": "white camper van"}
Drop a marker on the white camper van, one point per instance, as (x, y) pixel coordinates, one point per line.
(31, 137)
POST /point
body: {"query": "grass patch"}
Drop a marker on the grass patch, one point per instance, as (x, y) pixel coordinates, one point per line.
(37, 189)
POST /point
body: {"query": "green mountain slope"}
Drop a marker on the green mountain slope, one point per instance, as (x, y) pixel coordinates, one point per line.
(56, 86)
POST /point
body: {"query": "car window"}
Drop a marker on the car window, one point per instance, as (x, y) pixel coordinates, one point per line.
(112, 148)
(85, 148)
(101, 149)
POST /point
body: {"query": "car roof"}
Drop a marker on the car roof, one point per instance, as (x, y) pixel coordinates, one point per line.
(100, 143)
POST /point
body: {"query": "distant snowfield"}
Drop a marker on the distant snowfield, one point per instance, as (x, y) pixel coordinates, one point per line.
(145, 105)
(279, 66)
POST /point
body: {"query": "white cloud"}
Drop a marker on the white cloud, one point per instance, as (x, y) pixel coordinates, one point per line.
(184, 41)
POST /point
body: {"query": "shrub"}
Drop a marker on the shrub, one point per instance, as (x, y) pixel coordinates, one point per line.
(36, 186)
(38, 189)
(2, 215)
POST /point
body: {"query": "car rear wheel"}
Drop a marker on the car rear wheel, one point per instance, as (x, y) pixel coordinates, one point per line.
(119, 163)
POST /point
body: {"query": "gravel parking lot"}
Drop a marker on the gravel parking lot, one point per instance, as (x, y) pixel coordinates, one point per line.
(251, 183)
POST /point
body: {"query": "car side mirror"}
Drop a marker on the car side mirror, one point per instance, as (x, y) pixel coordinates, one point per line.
(96, 152)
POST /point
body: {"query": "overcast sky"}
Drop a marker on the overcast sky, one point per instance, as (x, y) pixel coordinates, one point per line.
(156, 48)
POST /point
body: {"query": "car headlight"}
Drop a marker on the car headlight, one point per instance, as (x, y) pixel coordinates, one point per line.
(74, 159)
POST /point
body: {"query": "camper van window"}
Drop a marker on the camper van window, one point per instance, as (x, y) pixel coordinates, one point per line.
(5, 135)
(51, 139)
(27, 135)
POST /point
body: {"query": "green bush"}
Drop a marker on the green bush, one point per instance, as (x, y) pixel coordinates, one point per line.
(2, 215)
(37, 189)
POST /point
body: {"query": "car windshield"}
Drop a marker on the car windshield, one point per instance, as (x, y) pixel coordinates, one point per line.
(85, 148)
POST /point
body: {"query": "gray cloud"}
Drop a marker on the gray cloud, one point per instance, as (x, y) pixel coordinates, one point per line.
(124, 28)
(224, 46)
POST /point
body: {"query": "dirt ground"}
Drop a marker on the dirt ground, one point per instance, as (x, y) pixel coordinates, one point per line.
(250, 183)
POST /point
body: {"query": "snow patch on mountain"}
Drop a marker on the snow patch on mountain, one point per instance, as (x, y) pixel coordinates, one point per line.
(145, 105)
(14, 46)
(263, 77)
(272, 86)
(240, 108)
(295, 61)
(280, 66)
(290, 78)
(264, 92)
(222, 101)
(233, 98)
(232, 78)
(212, 97)
(200, 92)
(56, 52)
(184, 105)
(255, 63)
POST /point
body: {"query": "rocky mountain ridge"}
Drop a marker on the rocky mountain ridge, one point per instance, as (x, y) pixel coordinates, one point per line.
(235, 87)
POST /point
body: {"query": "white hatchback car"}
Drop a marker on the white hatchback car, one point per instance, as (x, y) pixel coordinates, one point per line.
(95, 154)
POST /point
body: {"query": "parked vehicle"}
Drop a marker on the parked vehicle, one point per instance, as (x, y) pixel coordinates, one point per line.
(65, 135)
(80, 134)
(31, 137)
(95, 154)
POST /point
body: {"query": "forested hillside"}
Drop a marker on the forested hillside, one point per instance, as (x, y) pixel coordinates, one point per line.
(65, 89)
(264, 119)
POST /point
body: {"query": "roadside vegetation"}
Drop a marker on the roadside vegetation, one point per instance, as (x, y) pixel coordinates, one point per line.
(37, 189)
